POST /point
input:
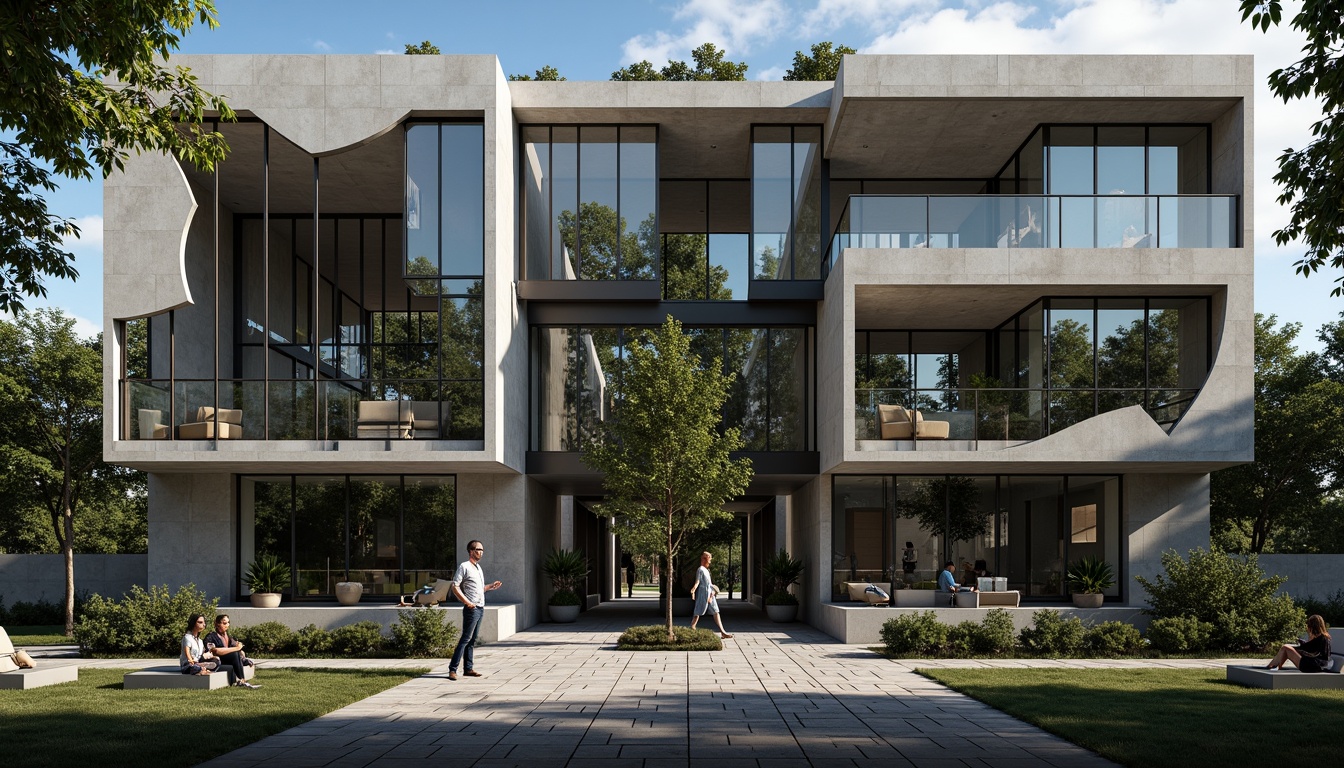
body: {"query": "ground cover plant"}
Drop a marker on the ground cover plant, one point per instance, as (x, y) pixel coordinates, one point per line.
(94, 719)
(1163, 717)
(654, 638)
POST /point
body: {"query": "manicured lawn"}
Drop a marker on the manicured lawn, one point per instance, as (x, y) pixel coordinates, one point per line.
(95, 721)
(41, 634)
(1164, 717)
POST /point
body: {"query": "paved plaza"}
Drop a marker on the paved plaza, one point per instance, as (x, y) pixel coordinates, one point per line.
(777, 696)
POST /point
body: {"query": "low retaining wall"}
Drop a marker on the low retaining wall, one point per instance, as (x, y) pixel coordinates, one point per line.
(1319, 576)
(501, 620)
(30, 578)
(862, 625)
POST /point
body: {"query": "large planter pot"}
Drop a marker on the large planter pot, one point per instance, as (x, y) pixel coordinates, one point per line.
(348, 592)
(1081, 600)
(564, 614)
(782, 613)
(683, 606)
(265, 599)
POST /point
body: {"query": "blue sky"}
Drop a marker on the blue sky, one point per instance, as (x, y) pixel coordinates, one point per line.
(588, 40)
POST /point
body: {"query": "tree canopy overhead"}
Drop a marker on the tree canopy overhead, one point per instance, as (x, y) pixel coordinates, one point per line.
(822, 64)
(1312, 178)
(67, 121)
(709, 64)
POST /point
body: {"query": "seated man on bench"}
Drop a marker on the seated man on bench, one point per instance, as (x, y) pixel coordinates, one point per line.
(947, 581)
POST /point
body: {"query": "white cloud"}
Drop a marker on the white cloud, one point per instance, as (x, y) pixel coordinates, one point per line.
(322, 46)
(389, 52)
(90, 238)
(85, 328)
(773, 73)
(734, 27)
(829, 15)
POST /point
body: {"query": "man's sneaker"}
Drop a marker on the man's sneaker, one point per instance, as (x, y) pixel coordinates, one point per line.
(245, 684)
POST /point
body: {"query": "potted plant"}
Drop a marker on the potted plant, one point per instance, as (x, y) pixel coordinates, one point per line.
(267, 577)
(566, 568)
(779, 572)
(1088, 578)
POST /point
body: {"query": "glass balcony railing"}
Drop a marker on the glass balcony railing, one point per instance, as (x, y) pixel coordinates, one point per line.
(1001, 414)
(1035, 221)
(302, 409)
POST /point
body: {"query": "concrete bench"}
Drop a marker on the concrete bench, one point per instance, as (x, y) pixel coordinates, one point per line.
(1009, 599)
(23, 679)
(172, 678)
(1288, 677)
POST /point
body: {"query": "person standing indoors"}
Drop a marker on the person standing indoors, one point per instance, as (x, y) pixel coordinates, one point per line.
(469, 587)
(703, 592)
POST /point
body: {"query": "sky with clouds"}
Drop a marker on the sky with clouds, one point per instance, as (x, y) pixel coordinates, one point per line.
(589, 40)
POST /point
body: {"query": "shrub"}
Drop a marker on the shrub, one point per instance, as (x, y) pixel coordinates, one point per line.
(142, 622)
(1112, 638)
(654, 638)
(1179, 634)
(962, 638)
(1230, 592)
(565, 597)
(1331, 608)
(42, 612)
(997, 635)
(915, 633)
(1052, 635)
(312, 640)
(359, 639)
(426, 633)
(267, 637)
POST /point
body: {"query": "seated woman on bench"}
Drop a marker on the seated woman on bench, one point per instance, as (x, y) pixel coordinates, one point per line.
(1311, 656)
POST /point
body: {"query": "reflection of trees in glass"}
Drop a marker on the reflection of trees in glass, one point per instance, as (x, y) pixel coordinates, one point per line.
(948, 508)
(318, 536)
(1121, 358)
(601, 247)
(409, 346)
(430, 522)
(685, 260)
(271, 517)
(1070, 368)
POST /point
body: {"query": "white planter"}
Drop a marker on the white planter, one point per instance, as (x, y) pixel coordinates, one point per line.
(265, 599)
(348, 592)
(1088, 600)
(914, 598)
(782, 613)
(564, 614)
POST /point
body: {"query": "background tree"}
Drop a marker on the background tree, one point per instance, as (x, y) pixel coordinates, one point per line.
(1299, 446)
(709, 64)
(948, 508)
(665, 462)
(547, 72)
(1312, 178)
(823, 64)
(51, 416)
(66, 120)
(423, 49)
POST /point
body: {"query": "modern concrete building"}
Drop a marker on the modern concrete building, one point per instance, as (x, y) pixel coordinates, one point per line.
(997, 307)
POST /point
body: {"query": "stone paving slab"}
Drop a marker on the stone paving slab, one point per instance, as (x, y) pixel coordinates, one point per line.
(777, 696)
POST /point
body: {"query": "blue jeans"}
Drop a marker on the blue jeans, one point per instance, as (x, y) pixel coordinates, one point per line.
(466, 644)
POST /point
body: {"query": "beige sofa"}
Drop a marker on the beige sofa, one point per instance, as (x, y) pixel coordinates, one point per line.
(227, 423)
(858, 592)
(1010, 599)
(898, 423)
(401, 419)
(151, 424)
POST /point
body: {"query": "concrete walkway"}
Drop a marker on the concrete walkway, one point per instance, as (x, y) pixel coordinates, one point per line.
(777, 696)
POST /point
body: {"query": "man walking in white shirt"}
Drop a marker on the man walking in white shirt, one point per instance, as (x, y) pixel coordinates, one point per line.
(469, 587)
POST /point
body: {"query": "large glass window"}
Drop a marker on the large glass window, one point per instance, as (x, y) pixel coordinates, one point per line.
(1026, 528)
(390, 533)
(589, 202)
(445, 200)
(705, 226)
(576, 382)
(786, 182)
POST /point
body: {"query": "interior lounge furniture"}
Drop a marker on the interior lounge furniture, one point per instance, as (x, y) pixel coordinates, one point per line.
(1009, 599)
(384, 419)
(227, 423)
(402, 419)
(898, 423)
(858, 592)
(151, 424)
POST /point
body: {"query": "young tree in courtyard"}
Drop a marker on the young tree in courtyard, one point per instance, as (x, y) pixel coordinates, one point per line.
(59, 116)
(1312, 178)
(665, 461)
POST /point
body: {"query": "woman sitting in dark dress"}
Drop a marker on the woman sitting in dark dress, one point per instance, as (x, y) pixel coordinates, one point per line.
(1311, 656)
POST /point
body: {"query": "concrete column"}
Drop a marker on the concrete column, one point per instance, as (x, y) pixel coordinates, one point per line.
(191, 533)
(564, 523)
(491, 507)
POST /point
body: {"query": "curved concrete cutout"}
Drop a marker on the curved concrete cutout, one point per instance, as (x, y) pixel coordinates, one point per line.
(313, 130)
(151, 206)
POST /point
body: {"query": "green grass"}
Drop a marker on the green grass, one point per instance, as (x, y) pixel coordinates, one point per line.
(1163, 717)
(95, 721)
(41, 634)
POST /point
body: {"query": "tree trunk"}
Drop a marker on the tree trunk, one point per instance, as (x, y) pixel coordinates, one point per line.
(68, 549)
(671, 636)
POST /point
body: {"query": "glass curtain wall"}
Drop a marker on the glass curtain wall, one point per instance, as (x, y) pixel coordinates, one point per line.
(1024, 528)
(787, 176)
(704, 226)
(390, 533)
(576, 382)
(590, 202)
